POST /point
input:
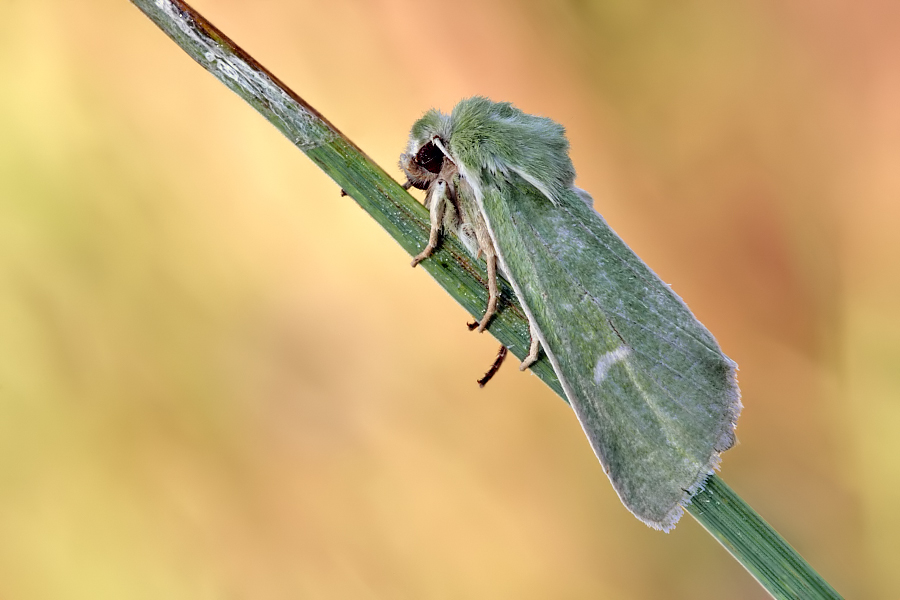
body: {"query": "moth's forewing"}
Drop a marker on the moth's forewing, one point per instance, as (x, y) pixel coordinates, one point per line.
(649, 384)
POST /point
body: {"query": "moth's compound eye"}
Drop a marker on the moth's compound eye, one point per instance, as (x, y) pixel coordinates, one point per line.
(430, 157)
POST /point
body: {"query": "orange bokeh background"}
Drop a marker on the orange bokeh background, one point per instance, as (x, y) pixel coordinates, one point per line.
(220, 379)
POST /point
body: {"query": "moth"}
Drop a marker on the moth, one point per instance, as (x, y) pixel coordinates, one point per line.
(655, 395)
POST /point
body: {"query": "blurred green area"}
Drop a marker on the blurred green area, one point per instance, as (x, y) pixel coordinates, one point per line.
(219, 379)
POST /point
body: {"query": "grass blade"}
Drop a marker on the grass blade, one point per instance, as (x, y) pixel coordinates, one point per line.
(758, 547)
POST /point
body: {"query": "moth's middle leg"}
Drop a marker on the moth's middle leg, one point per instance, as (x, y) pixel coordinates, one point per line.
(493, 289)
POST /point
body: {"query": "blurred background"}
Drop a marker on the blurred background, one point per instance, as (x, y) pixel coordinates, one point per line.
(220, 379)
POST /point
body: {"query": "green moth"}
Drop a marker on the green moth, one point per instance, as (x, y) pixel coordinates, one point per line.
(655, 395)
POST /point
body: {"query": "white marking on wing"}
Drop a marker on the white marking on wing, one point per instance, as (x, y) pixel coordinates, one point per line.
(605, 362)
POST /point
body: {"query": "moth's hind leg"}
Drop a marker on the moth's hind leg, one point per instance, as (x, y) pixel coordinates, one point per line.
(436, 205)
(533, 351)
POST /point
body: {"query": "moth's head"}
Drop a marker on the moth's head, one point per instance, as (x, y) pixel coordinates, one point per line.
(427, 148)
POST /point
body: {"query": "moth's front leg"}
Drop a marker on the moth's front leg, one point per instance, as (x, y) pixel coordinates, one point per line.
(436, 206)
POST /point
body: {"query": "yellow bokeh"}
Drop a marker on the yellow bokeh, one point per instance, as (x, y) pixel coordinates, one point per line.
(221, 379)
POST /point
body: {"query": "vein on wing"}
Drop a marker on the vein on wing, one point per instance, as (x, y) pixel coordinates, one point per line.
(661, 415)
(664, 339)
(665, 393)
(655, 279)
(577, 284)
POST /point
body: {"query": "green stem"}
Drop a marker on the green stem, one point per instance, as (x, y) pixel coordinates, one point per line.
(729, 519)
(753, 542)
